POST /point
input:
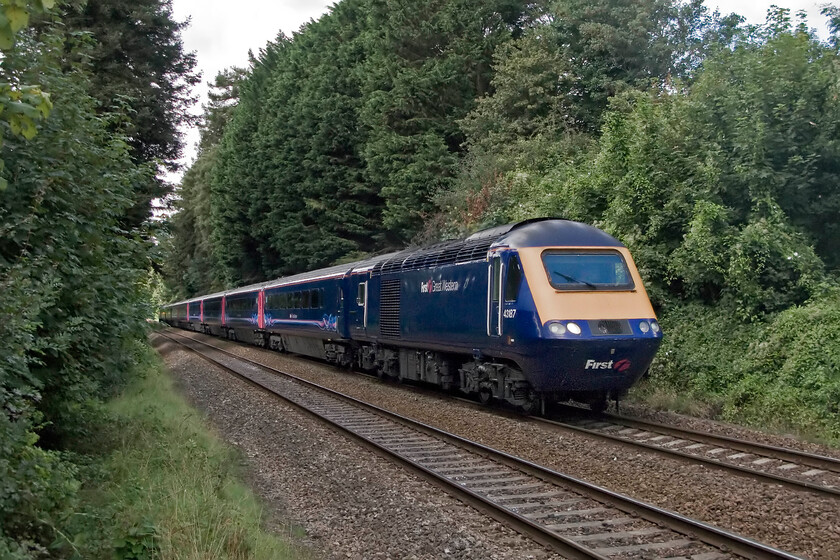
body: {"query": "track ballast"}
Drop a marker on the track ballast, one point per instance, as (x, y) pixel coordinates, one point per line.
(578, 519)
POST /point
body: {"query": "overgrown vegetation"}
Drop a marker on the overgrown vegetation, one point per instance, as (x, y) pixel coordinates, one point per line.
(780, 373)
(707, 146)
(74, 258)
(160, 486)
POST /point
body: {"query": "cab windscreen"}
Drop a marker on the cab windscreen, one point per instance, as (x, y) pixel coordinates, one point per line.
(587, 270)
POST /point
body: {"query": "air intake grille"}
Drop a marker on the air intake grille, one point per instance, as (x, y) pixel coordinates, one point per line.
(607, 327)
(442, 254)
(389, 318)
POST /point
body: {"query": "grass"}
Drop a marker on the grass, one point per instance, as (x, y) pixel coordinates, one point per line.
(167, 487)
(667, 398)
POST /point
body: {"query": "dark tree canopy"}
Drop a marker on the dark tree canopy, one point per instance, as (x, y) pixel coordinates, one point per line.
(140, 70)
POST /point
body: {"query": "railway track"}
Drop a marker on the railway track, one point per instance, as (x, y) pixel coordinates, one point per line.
(576, 518)
(796, 469)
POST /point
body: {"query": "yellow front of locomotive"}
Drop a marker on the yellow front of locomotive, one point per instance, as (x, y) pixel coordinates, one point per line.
(598, 332)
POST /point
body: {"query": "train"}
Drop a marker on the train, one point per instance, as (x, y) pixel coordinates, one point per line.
(529, 314)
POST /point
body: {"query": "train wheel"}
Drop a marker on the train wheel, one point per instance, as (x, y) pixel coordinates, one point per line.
(485, 395)
(599, 406)
(531, 405)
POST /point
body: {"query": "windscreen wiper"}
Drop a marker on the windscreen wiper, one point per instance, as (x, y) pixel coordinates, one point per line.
(574, 280)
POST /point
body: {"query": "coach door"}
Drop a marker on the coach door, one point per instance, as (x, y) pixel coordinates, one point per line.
(358, 304)
(494, 294)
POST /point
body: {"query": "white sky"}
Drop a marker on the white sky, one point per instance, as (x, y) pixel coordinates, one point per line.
(222, 32)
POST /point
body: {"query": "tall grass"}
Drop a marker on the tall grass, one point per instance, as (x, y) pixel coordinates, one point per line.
(171, 489)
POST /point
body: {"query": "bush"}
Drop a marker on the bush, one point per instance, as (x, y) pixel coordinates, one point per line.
(782, 373)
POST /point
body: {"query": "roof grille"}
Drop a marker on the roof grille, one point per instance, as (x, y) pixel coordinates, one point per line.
(452, 252)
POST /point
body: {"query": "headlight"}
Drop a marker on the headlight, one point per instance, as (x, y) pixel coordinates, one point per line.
(573, 328)
(644, 326)
(557, 329)
(654, 326)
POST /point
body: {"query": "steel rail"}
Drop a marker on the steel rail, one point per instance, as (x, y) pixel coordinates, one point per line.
(783, 454)
(517, 522)
(708, 534)
(828, 464)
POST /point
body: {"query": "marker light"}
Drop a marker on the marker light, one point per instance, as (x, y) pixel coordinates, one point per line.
(573, 328)
(654, 326)
(644, 326)
(557, 328)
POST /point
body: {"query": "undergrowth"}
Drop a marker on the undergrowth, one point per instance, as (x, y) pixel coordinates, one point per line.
(780, 374)
(165, 487)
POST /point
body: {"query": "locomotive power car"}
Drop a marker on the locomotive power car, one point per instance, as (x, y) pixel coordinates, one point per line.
(529, 313)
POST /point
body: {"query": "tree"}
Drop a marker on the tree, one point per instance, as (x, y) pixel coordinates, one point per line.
(190, 265)
(140, 70)
(71, 278)
(726, 190)
(223, 98)
(427, 64)
(239, 186)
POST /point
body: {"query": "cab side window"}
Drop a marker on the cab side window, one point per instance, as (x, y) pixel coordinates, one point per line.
(514, 279)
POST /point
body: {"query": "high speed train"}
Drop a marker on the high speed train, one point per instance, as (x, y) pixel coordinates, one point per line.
(528, 313)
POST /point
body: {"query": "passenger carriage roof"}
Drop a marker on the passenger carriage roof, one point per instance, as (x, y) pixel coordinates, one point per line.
(331, 272)
(538, 232)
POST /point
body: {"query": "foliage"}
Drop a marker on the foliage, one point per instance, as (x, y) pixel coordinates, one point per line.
(781, 374)
(344, 132)
(192, 256)
(704, 183)
(791, 376)
(429, 63)
(139, 69)
(21, 105)
(71, 278)
(159, 484)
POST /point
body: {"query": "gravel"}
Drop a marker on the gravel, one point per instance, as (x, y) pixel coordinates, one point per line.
(350, 502)
(798, 522)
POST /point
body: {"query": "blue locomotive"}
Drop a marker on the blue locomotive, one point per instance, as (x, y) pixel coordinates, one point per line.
(538, 311)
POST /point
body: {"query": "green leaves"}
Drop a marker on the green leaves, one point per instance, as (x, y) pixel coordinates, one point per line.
(71, 280)
(14, 16)
(20, 106)
(140, 72)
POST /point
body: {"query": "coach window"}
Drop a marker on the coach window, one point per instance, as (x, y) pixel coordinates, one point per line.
(315, 299)
(360, 297)
(514, 279)
(496, 279)
(306, 302)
